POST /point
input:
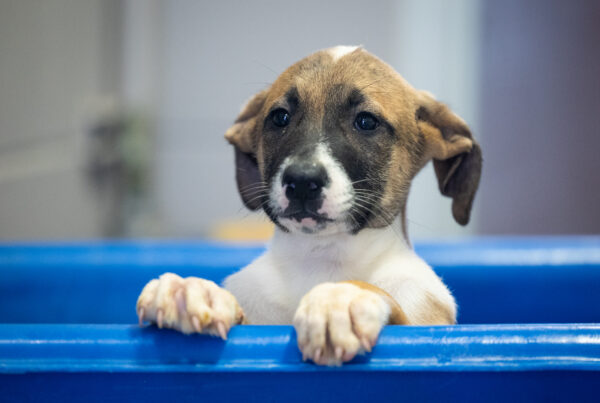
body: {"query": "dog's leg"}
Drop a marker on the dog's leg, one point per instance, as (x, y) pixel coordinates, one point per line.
(190, 305)
(336, 321)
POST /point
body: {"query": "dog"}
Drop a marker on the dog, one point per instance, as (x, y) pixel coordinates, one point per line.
(328, 152)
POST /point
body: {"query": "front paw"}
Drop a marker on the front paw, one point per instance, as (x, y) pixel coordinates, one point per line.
(336, 321)
(190, 305)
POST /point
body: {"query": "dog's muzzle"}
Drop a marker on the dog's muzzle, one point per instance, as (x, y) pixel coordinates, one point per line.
(303, 182)
(311, 193)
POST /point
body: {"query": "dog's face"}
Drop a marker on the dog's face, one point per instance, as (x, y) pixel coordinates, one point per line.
(333, 144)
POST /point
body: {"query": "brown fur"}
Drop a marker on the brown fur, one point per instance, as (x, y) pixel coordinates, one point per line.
(456, 155)
(424, 128)
(435, 313)
(397, 315)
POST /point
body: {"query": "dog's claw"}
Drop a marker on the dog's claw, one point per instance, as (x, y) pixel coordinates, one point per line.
(190, 305)
(366, 344)
(159, 318)
(339, 353)
(318, 354)
(141, 317)
(348, 356)
(196, 324)
(180, 301)
(221, 330)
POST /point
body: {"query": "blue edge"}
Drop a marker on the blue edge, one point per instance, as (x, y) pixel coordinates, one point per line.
(68, 332)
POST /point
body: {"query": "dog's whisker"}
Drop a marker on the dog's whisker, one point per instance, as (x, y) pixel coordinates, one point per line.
(252, 196)
(370, 199)
(254, 191)
(386, 215)
(388, 218)
(427, 227)
(360, 180)
(360, 204)
(370, 84)
(251, 192)
(355, 210)
(366, 193)
(260, 196)
(254, 187)
(265, 66)
(351, 216)
(254, 184)
(249, 213)
(255, 82)
(381, 92)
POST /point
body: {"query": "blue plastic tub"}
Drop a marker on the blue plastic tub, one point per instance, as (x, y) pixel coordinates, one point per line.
(529, 314)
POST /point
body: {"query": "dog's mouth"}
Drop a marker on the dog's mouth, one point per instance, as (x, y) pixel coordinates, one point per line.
(302, 214)
(307, 221)
(304, 221)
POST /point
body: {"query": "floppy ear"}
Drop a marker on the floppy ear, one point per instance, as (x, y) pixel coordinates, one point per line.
(456, 155)
(242, 135)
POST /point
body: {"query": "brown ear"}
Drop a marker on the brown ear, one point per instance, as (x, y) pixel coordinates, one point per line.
(456, 155)
(242, 135)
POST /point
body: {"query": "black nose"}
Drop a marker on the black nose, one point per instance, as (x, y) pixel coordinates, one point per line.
(304, 181)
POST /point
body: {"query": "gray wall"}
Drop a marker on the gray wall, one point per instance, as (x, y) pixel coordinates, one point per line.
(59, 62)
(524, 75)
(187, 66)
(541, 117)
(218, 54)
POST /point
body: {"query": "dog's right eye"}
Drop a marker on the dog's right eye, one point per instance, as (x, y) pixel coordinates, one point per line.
(280, 117)
(366, 121)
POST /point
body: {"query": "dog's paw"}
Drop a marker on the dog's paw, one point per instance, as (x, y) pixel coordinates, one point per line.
(190, 305)
(336, 321)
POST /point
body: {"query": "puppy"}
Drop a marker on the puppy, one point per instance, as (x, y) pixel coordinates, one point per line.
(328, 151)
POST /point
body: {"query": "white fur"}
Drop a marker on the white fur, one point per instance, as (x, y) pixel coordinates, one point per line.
(188, 304)
(270, 288)
(351, 316)
(337, 197)
(298, 278)
(339, 193)
(277, 198)
(338, 52)
(297, 265)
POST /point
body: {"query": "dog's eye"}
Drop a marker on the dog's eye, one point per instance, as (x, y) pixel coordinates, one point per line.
(280, 117)
(366, 121)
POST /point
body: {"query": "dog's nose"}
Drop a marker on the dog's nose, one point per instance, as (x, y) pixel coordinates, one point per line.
(304, 181)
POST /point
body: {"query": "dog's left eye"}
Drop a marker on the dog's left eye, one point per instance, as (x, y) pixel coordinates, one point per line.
(280, 117)
(366, 121)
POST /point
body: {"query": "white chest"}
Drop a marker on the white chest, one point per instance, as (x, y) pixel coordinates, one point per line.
(270, 288)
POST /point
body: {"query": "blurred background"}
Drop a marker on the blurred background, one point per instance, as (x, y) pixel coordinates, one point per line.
(112, 113)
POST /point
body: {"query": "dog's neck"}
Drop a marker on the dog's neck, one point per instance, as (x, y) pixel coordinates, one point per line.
(340, 252)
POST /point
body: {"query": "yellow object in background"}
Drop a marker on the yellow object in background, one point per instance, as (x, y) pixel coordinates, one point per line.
(257, 228)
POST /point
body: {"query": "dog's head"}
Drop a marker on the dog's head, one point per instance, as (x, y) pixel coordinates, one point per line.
(333, 144)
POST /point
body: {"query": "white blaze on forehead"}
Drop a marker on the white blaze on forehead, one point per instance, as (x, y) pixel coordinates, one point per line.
(339, 51)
